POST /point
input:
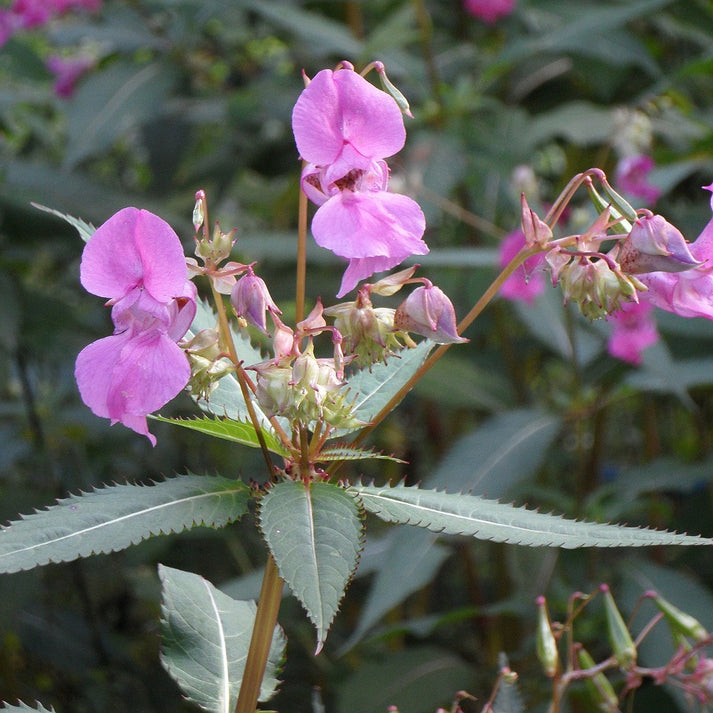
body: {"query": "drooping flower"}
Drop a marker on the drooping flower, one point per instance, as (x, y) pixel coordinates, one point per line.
(634, 329)
(428, 311)
(688, 293)
(632, 176)
(251, 300)
(136, 260)
(344, 128)
(528, 281)
(489, 11)
(67, 71)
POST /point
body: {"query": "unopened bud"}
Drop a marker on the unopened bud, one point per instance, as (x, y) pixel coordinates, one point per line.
(598, 686)
(391, 284)
(679, 621)
(389, 88)
(619, 637)
(654, 245)
(546, 644)
(251, 300)
(199, 211)
(428, 311)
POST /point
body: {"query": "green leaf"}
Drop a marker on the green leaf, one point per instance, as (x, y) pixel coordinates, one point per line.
(504, 450)
(230, 430)
(461, 514)
(372, 389)
(23, 707)
(205, 641)
(110, 103)
(314, 532)
(85, 230)
(118, 516)
(420, 678)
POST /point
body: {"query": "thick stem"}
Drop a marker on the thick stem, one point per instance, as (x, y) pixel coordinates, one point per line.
(265, 621)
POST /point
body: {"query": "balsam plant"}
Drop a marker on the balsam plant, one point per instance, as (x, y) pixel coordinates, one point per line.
(310, 404)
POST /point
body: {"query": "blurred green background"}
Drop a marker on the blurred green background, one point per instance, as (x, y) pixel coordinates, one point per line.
(179, 95)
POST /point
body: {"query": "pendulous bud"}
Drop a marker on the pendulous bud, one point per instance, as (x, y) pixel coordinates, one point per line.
(251, 300)
(679, 621)
(428, 311)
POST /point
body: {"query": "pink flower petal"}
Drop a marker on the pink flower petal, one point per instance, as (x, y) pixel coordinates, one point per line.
(370, 224)
(360, 268)
(134, 248)
(341, 107)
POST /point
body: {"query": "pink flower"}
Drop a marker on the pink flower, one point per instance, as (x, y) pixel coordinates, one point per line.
(688, 293)
(136, 260)
(67, 71)
(527, 282)
(632, 175)
(428, 311)
(634, 329)
(345, 128)
(251, 299)
(489, 10)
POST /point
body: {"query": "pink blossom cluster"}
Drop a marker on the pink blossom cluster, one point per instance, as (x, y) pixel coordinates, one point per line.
(632, 176)
(344, 128)
(136, 260)
(489, 11)
(26, 14)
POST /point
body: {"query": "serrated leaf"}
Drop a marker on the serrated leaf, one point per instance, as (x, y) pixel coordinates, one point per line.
(229, 430)
(347, 452)
(85, 230)
(371, 390)
(314, 532)
(205, 641)
(23, 707)
(118, 516)
(462, 514)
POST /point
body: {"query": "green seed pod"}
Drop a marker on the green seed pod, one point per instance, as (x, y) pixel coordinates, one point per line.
(598, 686)
(679, 621)
(619, 637)
(546, 644)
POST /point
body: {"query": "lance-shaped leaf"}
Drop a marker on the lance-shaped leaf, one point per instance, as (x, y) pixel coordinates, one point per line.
(371, 389)
(314, 532)
(242, 432)
(85, 230)
(462, 514)
(343, 451)
(23, 707)
(205, 642)
(118, 516)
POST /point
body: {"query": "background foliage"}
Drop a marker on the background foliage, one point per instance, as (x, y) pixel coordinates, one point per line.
(189, 94)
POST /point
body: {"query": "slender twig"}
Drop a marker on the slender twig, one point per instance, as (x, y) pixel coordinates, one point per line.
(301, 258)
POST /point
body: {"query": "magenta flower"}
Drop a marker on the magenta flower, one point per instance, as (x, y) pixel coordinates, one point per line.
(345, 128)
(428, 311)
(251, 299)
(136, 260)
(489, 11)
(528, 281)
(634, 329)
(67, 71)
(632, 176)
(688, 293)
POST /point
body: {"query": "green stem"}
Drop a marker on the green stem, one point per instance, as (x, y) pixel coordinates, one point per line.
(301, 258)
(265, 621)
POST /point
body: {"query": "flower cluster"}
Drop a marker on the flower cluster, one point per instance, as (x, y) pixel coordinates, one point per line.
(344, 128)
(27, 14)
(136, 260)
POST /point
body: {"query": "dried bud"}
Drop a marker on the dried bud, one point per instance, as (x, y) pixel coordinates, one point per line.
(536, 231)
(250, 299)
(428, 311)
(546, 644)
(619, 637)
(654, 245)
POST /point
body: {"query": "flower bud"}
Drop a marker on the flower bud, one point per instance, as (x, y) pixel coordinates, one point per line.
(679, 621)
(389, 88)
(546, 644)
(536, 231)
(428, 311)
(207, 364)
(598, 686)
(251, 299)
(619, 637)
(217, 248)
(654, 245)
(273, 390)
